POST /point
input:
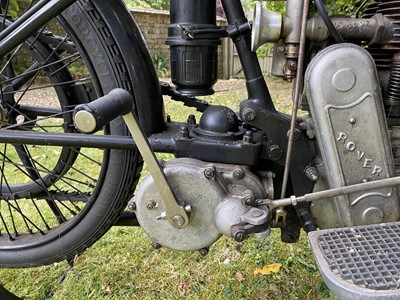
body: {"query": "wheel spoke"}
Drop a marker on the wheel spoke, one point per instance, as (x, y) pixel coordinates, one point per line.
(49, 192)
(26, 161)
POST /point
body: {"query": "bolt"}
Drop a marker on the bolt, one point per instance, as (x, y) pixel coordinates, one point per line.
(132, 206)
(238, 173)
(312, 174)
(209, 173)
(352, 121)
(191, 120)
(249, 114)
(248, 137)
(151, 205)
(297, 134)
(292, 66)
(238, 233)
(249, 200)
(275, 153)
(256, 213)
(184, 132)
(203, 251)
(281, 49)
(155, 245)
(178, 220)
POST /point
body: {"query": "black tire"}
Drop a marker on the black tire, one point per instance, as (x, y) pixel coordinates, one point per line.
(57, 207)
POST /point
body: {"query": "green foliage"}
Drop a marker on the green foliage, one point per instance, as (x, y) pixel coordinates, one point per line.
(334, 6)
(12, 9)
(155, 4)
(161, 63)
(344, 7)
(271, 5)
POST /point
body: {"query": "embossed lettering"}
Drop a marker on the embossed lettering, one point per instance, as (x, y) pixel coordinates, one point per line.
(367, 163)
(351, 146)
(377, 170)
(342, 137)
(360, 155)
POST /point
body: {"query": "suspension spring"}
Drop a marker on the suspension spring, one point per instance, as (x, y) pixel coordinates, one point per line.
(392, 96)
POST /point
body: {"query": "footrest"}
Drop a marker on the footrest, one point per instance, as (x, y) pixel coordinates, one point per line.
(360, 262)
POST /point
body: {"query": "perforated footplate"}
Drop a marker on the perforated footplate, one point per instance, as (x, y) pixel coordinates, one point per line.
(360, 262)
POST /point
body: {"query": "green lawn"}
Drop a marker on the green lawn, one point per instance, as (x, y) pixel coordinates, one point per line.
(122, 265)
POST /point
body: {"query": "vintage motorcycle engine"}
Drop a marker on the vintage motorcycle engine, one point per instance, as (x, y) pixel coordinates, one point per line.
(353, 104)
(347, 109)
(387, 55)
(221, 198)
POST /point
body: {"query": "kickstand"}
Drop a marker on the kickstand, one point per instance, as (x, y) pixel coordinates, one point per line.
(60, 280)
(7, 295)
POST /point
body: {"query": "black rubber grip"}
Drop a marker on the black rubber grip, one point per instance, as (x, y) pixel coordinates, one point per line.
(91, 117)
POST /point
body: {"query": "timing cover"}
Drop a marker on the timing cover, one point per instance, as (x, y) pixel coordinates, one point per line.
(205, 194)
(346, 105)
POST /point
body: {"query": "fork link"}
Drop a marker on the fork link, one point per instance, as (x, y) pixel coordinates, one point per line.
(88, 118)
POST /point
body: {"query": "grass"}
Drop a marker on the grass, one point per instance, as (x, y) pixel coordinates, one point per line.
(122, 265)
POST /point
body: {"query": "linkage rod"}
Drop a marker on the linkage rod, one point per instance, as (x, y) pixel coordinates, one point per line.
(361, 187)
(296, 95)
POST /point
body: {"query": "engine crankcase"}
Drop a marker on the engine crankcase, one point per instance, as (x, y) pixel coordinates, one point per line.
(346, 105)
(216, 193)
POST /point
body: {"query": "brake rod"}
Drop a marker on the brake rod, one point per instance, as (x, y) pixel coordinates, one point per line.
(340, 191)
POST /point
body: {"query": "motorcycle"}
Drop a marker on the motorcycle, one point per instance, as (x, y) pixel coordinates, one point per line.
(70, 167)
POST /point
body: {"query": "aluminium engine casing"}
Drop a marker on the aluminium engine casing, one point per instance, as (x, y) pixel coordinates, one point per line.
(342, 87)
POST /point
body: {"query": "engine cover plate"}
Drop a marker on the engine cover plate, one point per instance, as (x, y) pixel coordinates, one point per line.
(347, 109)
(204, 186)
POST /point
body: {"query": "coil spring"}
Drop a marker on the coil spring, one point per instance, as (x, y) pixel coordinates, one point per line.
(393, 86)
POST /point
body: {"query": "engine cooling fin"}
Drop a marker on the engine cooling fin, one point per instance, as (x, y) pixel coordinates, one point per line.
(391, 10)
(387, 56)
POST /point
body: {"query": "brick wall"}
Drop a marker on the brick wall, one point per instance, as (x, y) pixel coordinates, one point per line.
(154, 27)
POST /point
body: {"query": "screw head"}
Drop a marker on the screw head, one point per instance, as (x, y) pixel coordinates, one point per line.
(281, 49)
(292, 66)
(297, 134)
(238, 174)
(178, 220)
(275, 153)
(249, 200)
(248, 137)
(312, 174)
(249, 114)
(352, 121)
(209, 173)
(155, 245)
(151, 205)
(256, 213)
(184, 132)
(238, 233)
(132, 206)
(203, 251)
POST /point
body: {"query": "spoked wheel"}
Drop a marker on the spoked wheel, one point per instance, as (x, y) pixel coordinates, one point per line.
(56, 201)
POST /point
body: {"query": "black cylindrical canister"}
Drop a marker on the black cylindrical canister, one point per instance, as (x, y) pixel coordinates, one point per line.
(194, 58)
